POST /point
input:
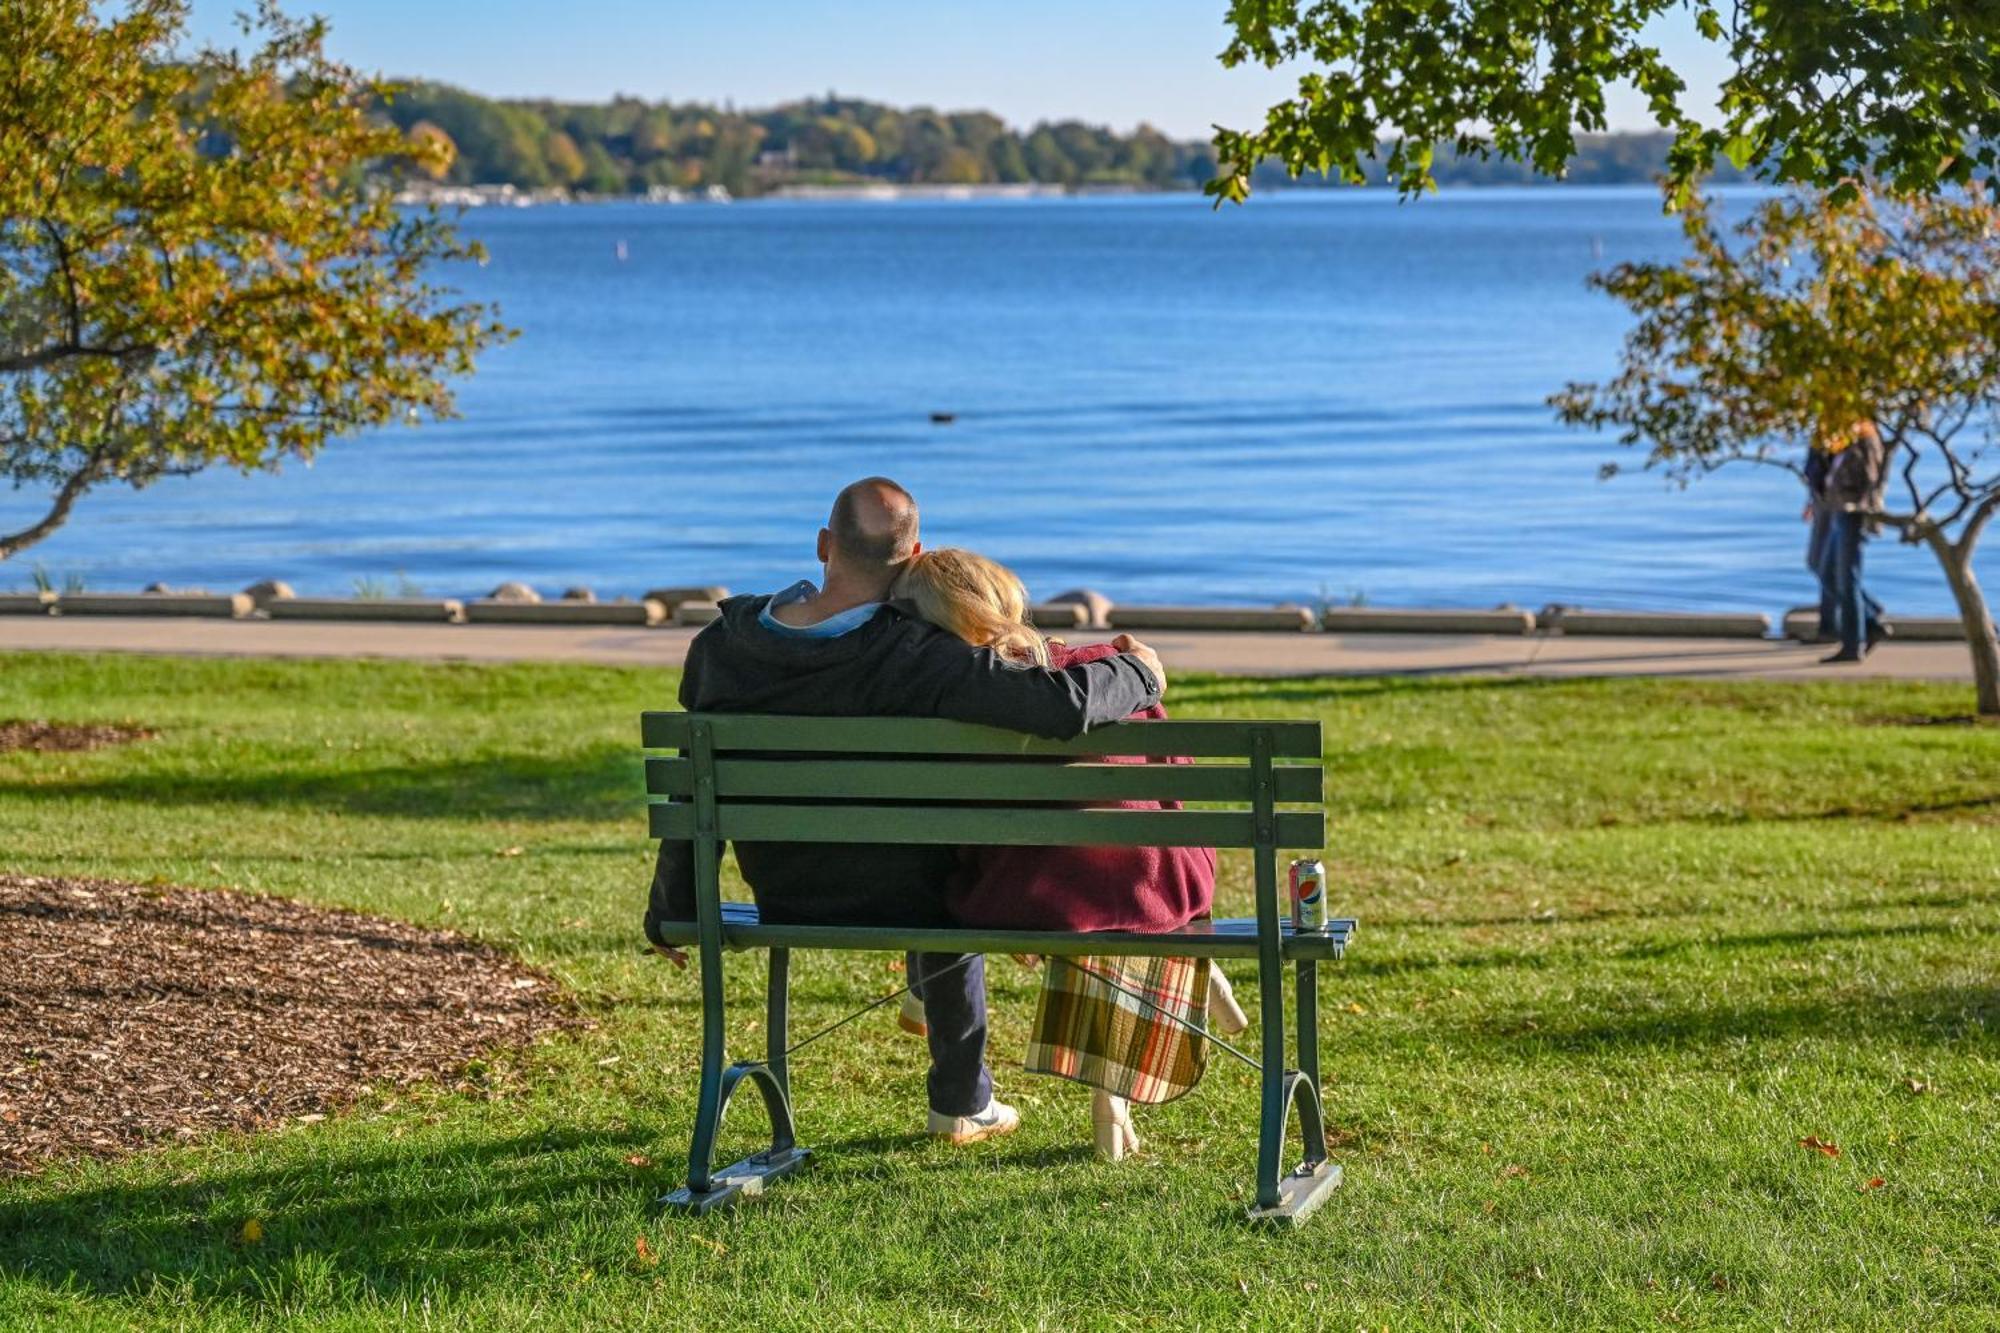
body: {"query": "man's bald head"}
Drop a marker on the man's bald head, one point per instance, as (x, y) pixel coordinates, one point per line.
(873, 529)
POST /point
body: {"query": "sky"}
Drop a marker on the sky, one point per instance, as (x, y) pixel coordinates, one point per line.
(1112, 62)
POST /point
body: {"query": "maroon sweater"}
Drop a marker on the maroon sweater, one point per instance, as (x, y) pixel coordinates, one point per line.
(1085, 888)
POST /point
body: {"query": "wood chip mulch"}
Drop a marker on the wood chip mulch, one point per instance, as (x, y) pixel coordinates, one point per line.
(132, 1015)
(31, 734)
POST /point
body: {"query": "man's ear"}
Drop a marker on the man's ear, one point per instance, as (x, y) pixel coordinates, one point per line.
(825, 544)
(916, 549)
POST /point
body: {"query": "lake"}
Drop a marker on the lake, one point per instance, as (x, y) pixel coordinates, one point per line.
(1323, 395)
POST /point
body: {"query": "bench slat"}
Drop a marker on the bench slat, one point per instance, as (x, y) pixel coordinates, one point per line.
(922, 735)
(1234, 937)
(948, 780)
(993, 826)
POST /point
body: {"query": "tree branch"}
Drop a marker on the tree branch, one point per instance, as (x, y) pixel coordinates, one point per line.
(1977, 523)
(81, 480)
(63, 351)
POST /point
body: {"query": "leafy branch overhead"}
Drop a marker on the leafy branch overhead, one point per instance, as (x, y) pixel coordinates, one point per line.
(1904, 92)
(192, 270)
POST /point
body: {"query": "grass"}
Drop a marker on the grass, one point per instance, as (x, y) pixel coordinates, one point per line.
(1624, 945)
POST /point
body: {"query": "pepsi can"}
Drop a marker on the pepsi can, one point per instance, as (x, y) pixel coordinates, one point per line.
(1309, 895)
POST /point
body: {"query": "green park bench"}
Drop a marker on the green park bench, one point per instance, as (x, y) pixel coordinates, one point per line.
(752, 778)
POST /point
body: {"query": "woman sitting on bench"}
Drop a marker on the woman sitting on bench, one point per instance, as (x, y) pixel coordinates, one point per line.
(1091, 1024)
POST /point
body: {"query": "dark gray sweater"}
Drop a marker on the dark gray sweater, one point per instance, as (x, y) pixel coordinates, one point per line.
(896, 665)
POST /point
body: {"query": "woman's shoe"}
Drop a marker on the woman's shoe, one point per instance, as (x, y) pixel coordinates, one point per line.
(1224, 1014)
(1111, 1118)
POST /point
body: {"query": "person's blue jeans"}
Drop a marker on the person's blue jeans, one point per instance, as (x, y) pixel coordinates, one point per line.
(1856, 615)
(954, 997)
(1816, 544)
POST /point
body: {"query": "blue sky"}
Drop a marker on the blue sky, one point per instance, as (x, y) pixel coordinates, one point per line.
(1113, 62)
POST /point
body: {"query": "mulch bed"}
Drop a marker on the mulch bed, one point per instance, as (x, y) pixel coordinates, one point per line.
(51, 737)
(132, 1015)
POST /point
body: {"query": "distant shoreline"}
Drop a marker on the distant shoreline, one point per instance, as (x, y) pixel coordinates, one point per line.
(510, 196)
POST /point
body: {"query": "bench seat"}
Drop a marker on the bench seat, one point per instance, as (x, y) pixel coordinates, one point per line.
(1231, 937)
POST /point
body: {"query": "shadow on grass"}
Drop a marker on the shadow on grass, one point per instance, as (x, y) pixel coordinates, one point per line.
(383, 1223)
(1924, 1016)
(607, 782)
(1794, 940)
(377, 1223)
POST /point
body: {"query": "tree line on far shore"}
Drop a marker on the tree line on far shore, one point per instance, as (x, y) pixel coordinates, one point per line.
(628, 146)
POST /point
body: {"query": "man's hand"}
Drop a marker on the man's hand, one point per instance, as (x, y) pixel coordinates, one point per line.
(1125, 643)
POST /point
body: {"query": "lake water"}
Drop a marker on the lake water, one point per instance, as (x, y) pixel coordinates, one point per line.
(1324, 394)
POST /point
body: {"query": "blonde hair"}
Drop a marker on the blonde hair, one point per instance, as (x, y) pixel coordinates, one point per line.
(979, 600)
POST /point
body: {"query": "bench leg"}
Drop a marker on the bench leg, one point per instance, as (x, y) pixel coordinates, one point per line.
(777, 1020)
(706, 1188)
(1290, 1198)
(1312, 1127)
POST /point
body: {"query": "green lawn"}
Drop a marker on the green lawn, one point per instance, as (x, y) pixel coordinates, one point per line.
(1624, 945)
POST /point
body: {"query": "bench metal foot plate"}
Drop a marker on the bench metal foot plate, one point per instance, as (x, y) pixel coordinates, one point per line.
(1298, 1195)
(745, 1180)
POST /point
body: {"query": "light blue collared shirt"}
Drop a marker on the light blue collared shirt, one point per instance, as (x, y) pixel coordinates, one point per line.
(835, 625)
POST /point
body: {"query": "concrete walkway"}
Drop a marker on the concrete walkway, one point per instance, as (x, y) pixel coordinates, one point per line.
(1232, 654)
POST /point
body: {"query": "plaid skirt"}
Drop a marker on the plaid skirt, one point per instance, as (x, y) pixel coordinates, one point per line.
(1092, 1026)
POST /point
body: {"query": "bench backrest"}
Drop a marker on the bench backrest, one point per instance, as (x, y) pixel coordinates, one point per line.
(761, 778)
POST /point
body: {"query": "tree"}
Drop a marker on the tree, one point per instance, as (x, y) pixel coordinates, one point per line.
(190, 271)
(1827, 312)
(436, 152)
(1818, 92)
(566, 164)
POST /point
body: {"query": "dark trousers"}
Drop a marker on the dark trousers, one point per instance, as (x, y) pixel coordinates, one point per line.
(1853, 613)
(953, 989)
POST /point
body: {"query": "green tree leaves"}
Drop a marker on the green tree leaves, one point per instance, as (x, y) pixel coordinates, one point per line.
(1905, 90)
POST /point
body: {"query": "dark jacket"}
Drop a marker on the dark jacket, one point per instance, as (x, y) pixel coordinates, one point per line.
(896, 665)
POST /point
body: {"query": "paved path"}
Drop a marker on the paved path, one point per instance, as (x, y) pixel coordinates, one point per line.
(1235, 654)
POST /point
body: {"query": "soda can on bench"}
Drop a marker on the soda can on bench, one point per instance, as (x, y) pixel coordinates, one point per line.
(1309, 895)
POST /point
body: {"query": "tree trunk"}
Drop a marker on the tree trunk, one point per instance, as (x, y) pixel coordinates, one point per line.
(1972, 612)
(13, 543)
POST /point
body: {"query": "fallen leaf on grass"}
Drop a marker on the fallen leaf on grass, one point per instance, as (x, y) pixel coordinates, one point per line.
(510, 851)
(645, 1251)
(1820, 1146)
(1873, 1183)
(1916, 1085)
(715, 1245)
(1354, 1007)
(1242, 1286)
(638, 1159)
(1513, 1171)
(253, 1232)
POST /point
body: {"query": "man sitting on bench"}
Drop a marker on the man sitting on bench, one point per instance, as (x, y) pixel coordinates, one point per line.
(844, 650)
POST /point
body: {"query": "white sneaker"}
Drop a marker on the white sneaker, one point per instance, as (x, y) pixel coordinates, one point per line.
(911, 1017)
(998, 1118)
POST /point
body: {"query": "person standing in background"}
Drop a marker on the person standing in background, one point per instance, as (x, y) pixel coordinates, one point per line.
(1818, 514)
(1855, 472)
